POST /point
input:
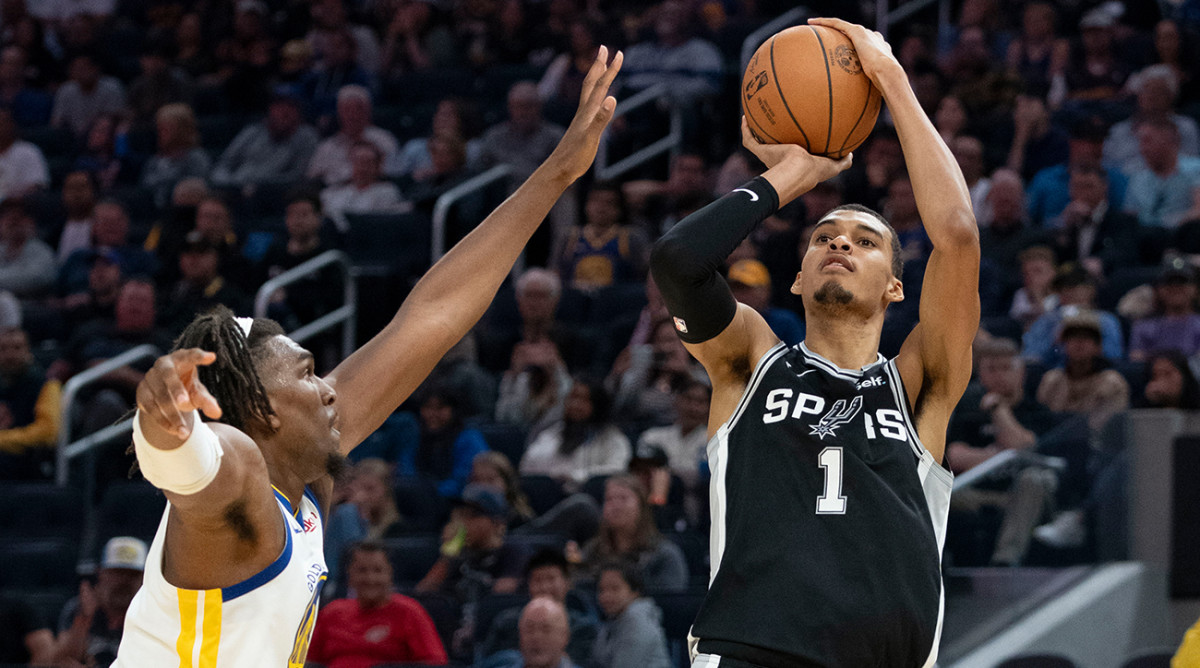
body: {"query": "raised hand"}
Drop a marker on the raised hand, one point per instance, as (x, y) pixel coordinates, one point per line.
(171, 390)
(808, 169)
(874, 52)
(577, 149)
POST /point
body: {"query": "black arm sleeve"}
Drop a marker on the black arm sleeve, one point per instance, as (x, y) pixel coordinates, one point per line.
(686, 262)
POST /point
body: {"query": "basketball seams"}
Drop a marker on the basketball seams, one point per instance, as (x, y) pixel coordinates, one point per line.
(861, 115)
(828, 86)
(750, 118)
(783, 98)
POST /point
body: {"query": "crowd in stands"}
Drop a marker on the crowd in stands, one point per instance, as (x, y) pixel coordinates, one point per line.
(542, 500)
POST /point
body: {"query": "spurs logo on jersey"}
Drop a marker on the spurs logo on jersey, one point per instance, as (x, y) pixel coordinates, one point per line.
(828, 521)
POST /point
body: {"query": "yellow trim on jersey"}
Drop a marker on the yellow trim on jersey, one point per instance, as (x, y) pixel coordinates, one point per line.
(296, 512)
(187, 626)
(305, 632)
(211, 632)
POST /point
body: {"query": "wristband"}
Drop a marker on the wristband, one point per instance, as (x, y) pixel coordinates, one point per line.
(184, 470)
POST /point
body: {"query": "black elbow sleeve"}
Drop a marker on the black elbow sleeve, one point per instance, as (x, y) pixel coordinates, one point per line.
(686, 262)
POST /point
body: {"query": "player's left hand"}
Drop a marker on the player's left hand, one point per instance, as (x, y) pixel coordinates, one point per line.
(577, 149)
(874, 52)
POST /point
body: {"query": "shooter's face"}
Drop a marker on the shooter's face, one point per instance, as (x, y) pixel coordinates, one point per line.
(848, 261)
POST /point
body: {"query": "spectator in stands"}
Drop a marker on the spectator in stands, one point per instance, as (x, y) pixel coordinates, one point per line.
(475, 559)
(90, 626)
(202, 284)
(996, 415)
(22, 167)
(160, 84)
(365, 192)
(29, 410)
(193, 54)
(452, 116)
(534, 388)
(493, 469)
(26, 262)
(178, 155)
(1037, 143)
(377, 625)
(446, 447)
(1036, 296)
(78, 201)
(1157, 89)
(24, 638)
(1090, 233)
(30, 107)
(645, 391)
(276, 150)
(685, 440)
(1049, 191)
(689, 66)
(547, 575)
(627, 531)
(336, 68)
(1172, 49)
(1008, 232)
(99, 298)
(950, 119)
(1172, 383)
(900, 208)
(1085, 383)
(87, 94)
(110, 234)
(1076, 290)
(655, 205)
(59, 14)
(100, 156)
(525, 139)
(1161, 192)
(244, 59)
(751, 285)
(214, 222)
(1175, 324)
(562, 83)
(1031, 54)
(584, 444)
(633, 633)
(416, 40)
(330, 20)
(1090, 71)
(545, 634)
(308, 298)
(606, 250)
(370, 490)
(866, 182)
(968, 153)
(331, 163)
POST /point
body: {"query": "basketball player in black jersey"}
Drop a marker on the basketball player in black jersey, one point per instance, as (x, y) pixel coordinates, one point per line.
(829, 497)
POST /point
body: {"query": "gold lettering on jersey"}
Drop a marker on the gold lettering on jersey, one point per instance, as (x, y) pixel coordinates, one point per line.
(307, 622)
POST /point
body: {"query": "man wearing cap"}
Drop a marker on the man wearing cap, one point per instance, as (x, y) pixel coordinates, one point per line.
(683, 443)
(1175, 325)
(275, 150)
(1084, 383)
(751, 285)
(1076, 290)
(29, 410)
(475, 559)
(90, 626)
(201, 284)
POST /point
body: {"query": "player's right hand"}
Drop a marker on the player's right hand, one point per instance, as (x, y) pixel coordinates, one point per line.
(874, 52)
(171, 390)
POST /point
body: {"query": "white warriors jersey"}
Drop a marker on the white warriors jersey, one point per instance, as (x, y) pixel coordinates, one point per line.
(265, 621)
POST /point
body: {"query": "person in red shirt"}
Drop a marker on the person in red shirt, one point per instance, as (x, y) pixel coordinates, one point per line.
(377, 626)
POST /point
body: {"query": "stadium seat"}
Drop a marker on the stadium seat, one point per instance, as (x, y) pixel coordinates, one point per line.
(532, 542)
(507, 439)
(1037, 661)
(489, 606)
(543, 492)
(419, 504)
(445, 612)
(594, 487)
(46, 512)
(54, 142)
(132, 508)
(412, 557)
(387, 244)
(678, 613)
(38, 564)
(616, 302)
(694, 546)
(1155, 658)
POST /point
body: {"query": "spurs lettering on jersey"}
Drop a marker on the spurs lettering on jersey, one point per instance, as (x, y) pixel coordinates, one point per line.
(783, 403)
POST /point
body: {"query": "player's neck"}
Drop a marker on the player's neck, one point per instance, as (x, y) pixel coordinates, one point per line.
(848, 343)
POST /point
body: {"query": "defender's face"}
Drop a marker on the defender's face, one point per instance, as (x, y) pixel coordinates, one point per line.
(850, 252)
(305, 404)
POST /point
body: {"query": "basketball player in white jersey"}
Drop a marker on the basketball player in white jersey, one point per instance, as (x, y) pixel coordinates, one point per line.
(235, 571)
(829, 496)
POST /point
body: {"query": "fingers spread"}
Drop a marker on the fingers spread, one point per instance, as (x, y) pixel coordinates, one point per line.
(204, 400)
(594, 74)
(600, 91)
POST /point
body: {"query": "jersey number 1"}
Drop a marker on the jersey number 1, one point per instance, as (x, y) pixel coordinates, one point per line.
(831, 502)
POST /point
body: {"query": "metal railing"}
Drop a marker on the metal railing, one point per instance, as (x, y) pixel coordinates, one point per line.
(670, 143)
(755, 39)
(68, 449)
(1004, 460)
(345, 315)
(441, 209)
(885, 17)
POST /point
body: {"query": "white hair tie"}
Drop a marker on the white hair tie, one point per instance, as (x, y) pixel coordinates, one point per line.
(246, 324)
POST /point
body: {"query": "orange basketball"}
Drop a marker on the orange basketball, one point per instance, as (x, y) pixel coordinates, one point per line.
(805, 86)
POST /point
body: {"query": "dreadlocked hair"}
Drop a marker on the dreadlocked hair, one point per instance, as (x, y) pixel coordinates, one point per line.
(232, 379)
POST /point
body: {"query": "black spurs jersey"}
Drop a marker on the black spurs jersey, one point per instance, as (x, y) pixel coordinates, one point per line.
(828, 519)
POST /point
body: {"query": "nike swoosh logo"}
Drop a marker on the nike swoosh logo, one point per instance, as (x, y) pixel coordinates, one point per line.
(753, 195)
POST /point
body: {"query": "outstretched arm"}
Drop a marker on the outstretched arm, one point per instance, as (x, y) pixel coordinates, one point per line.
(726, 337)
(456, 291)
(935, 361)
